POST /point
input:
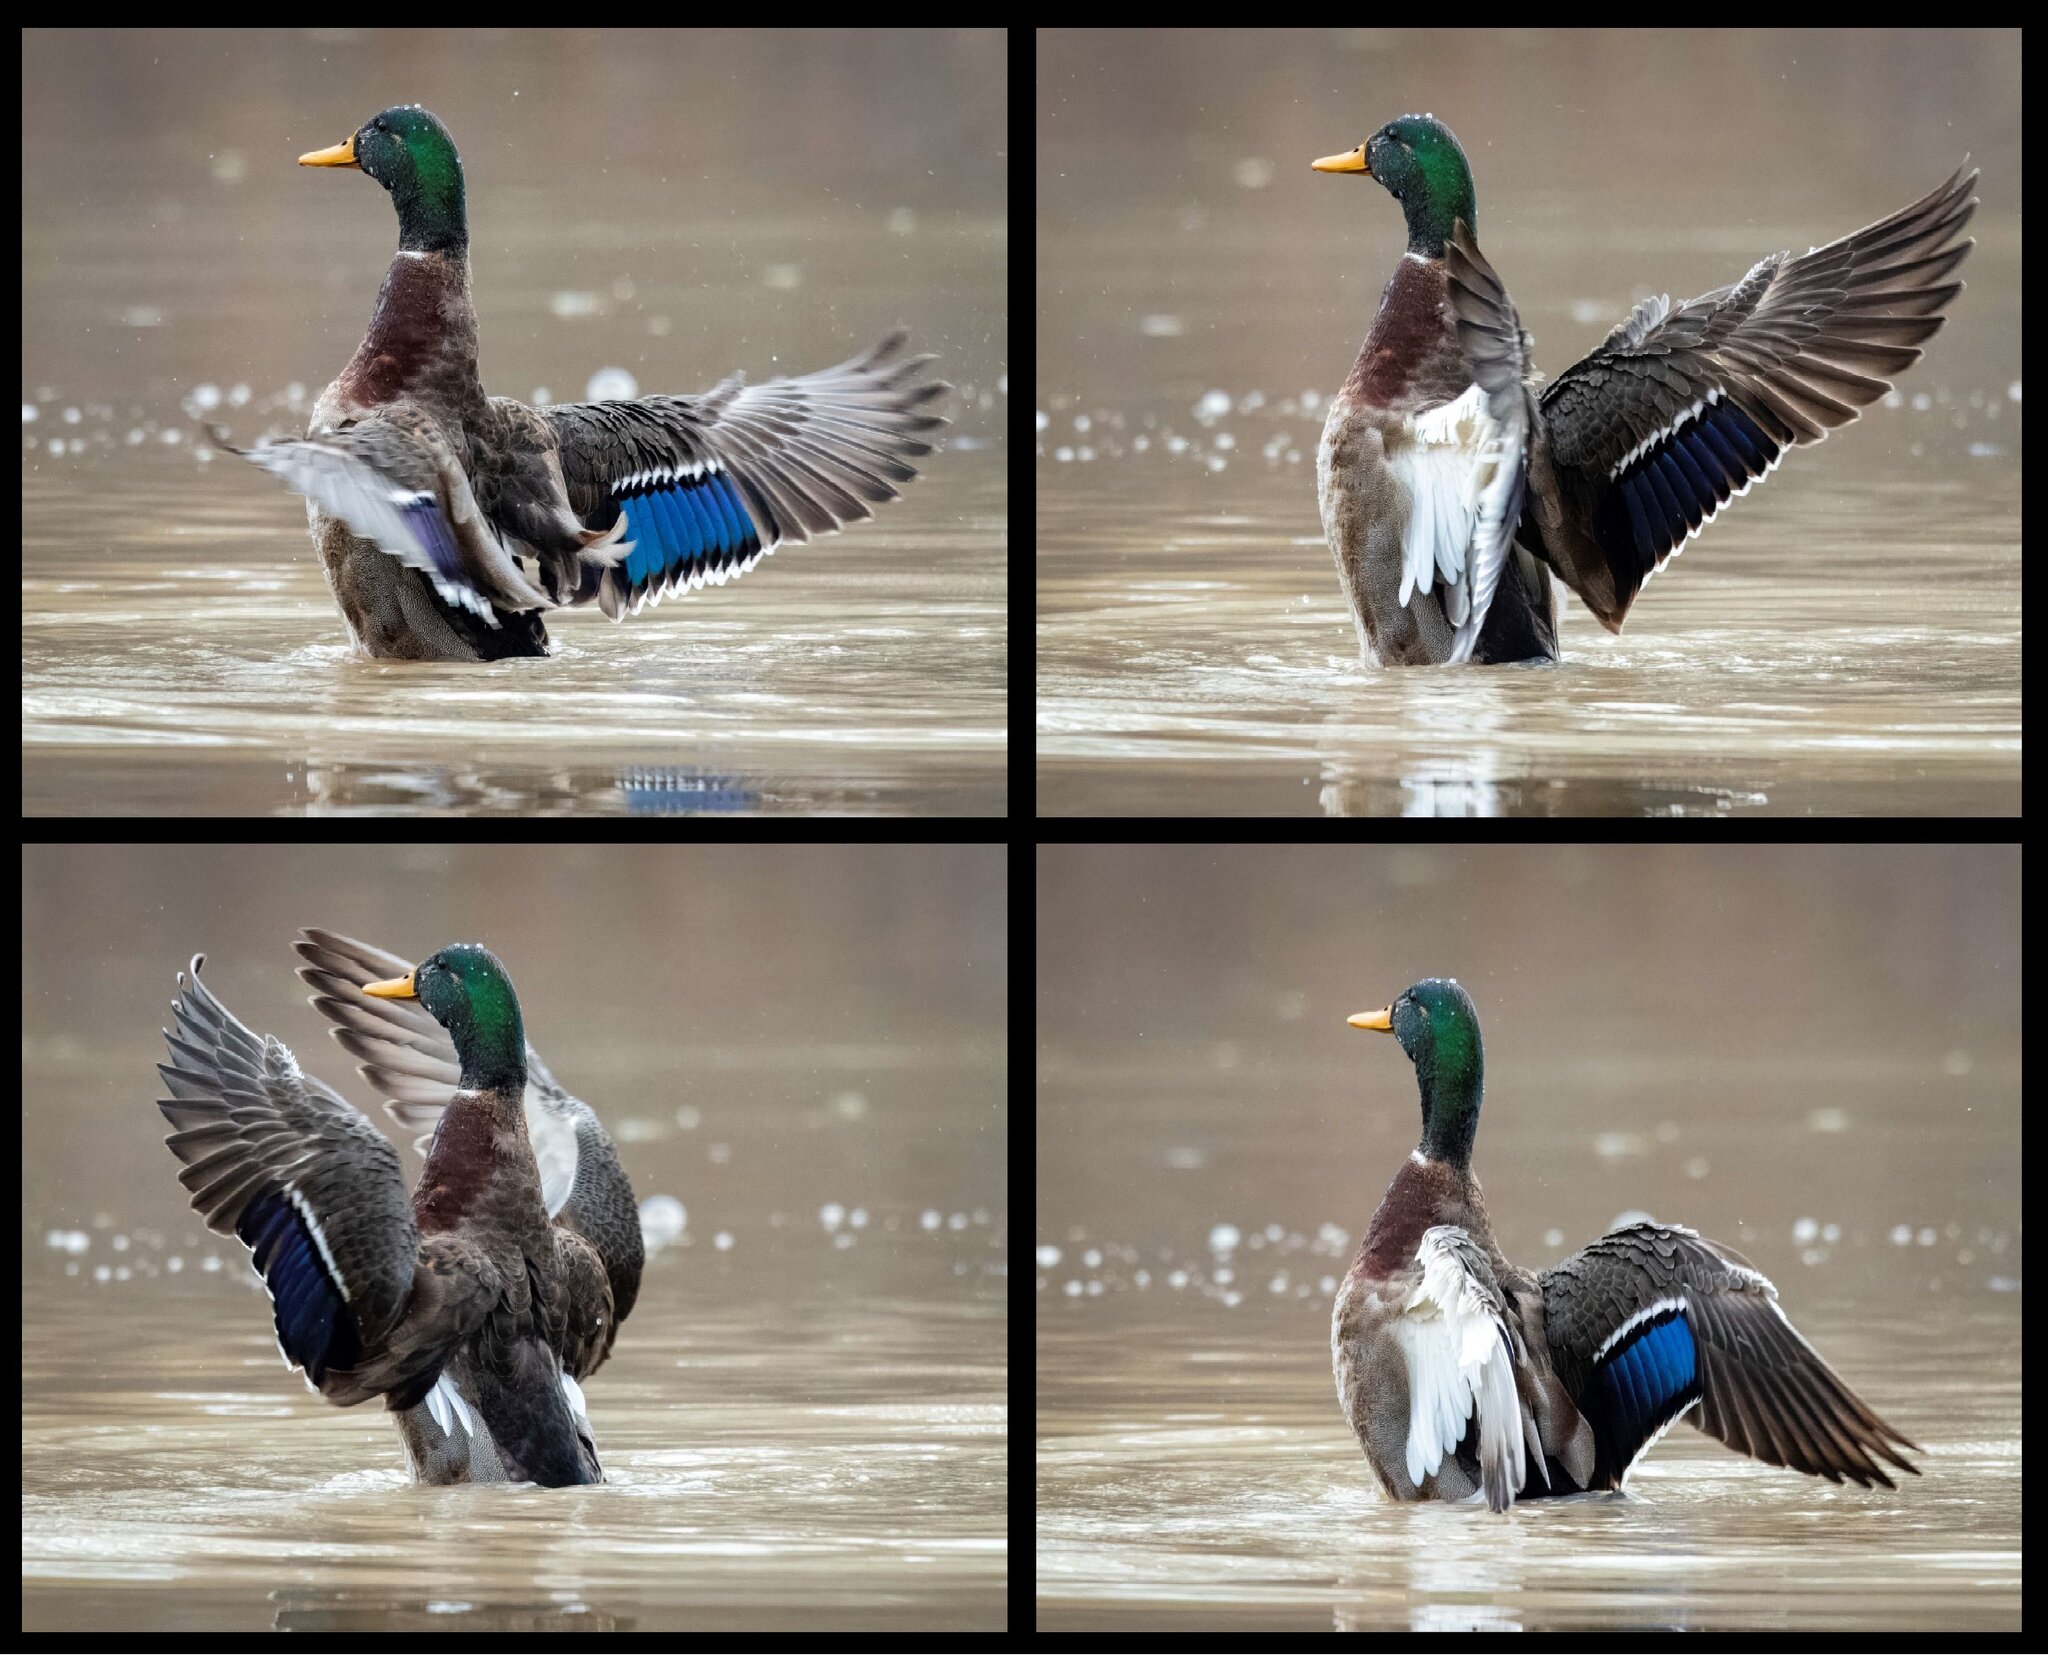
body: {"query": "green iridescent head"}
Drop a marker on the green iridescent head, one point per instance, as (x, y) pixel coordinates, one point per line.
(410, 153)
(1438, 1027)
(468, 992)
(1416, 159)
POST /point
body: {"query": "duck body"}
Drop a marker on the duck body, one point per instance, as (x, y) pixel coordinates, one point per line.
(464, 1304)
(448, 522)
(1463, 1375)
(1454, 482)
(1406, 439)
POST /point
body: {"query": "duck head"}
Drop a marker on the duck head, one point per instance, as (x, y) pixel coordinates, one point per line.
(468, 992)
(410, 153)
(1418, 161)
(1438, 1027)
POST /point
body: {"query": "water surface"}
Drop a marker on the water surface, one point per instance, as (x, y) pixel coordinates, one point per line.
(1195, 1473)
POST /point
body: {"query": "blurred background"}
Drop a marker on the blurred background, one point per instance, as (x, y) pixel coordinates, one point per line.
(1202, 294)
(1809, 1054)
(800, 1054)
(649, 212)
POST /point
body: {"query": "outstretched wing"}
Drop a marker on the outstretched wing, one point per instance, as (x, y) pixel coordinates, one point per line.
(707, 485)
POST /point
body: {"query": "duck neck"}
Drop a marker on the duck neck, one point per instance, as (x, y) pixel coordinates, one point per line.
(433, 214)
(422, 336)
(1424, 1194)
(490, 1041)
(480, 1164)
(1452, 1076)
(1431, 213)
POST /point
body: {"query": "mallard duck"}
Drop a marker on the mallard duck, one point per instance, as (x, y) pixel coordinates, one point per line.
(1454, 484)
(448, 522)
(462, 1305)
(1464, 1375)
(412, 1060)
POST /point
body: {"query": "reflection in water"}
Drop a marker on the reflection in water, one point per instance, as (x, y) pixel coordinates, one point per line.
(671, 791)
